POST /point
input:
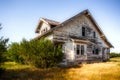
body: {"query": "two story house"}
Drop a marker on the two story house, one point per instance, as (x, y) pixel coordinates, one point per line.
(80, 36)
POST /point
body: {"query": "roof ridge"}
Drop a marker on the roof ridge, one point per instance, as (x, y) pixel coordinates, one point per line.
(50, 20)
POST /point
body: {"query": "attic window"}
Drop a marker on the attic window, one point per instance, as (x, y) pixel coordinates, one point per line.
(83, 31)
(44, 30)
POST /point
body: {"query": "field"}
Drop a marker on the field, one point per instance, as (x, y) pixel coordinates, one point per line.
(96, 71)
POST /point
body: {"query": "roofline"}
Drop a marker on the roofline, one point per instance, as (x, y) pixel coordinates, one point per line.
(89, 15)
(39, 24)
(43, 35)
(44, 20)
(102, 35)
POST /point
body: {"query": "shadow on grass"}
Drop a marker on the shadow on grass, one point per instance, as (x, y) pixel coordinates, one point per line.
(36, 74)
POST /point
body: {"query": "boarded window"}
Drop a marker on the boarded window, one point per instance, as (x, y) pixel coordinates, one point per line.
(83, 31)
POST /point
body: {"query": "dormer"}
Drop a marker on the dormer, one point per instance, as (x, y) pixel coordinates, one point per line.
(45, 25)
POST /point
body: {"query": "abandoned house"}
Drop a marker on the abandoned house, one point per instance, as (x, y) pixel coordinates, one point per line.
(81, 38)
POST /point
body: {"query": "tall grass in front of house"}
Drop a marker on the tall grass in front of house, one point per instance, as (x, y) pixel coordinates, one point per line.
(96, 71)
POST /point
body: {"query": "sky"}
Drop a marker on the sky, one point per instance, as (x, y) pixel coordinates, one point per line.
(19, 18)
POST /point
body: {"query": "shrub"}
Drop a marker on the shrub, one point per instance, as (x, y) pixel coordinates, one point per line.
(40, 53)
(14, 53)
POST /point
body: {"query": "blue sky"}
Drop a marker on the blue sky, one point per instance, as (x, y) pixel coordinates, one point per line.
(20, 18)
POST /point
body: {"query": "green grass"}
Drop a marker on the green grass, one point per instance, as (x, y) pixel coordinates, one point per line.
(14, 66)
(96, 71)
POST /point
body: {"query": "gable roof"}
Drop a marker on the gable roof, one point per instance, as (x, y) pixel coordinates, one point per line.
(52, 23)
(88, 14)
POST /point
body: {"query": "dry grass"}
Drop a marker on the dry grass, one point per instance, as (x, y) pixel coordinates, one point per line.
(97, 71)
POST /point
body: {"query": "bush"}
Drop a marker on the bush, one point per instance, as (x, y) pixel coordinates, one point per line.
(113, 54)
(14, 53)
(40, 53)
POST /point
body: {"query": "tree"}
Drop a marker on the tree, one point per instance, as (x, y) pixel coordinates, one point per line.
(3, 48)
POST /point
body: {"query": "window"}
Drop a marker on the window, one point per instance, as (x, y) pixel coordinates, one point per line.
(82, 49)
(78, 49)
(83, 31)
(94, 34)
(44, 30)
(95, 50)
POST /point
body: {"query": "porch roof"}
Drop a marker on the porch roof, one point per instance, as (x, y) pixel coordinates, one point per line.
(82, 41)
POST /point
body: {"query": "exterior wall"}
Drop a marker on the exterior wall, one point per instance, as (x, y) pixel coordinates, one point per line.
(69, 51)
(80, 57)
(49, 37)
(45, 26)
(74, 28)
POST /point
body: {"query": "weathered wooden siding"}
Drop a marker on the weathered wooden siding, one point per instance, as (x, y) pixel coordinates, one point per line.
(74, 28)
(49, 37)
(80, 57)
(69, 51)
(45, 26)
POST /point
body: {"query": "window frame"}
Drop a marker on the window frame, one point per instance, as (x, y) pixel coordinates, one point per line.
(80, 50)
(95, 51)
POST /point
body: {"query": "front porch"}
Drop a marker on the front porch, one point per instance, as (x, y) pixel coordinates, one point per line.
(80, 51)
